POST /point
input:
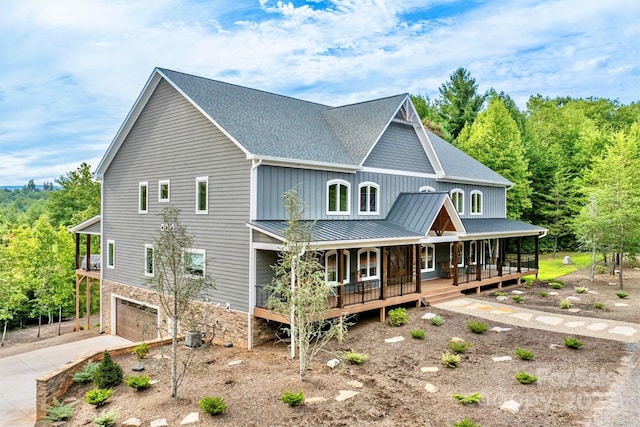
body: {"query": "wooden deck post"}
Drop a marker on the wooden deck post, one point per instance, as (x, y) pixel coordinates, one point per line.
(88, 297)
(455, 263)
(88, 247)
(417, 257)
(500, 257)
(479, 248)
(77, 251)
(384, 266)
(340, 278)
(78, 280)
(519, 244)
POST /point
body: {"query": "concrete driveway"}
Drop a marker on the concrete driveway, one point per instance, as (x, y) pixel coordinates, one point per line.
(18, 375)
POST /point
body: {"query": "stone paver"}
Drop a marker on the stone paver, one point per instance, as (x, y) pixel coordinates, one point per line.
(346, 394)
(522, 316)
(623, 330)
(502, 310)
(599, 326)
(483, 307)
(574, 324)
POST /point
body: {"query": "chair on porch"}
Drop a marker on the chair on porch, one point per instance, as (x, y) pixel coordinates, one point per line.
(445, 266)
(471, 265)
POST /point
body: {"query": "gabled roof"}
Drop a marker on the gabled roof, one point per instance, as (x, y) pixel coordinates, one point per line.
(279, 128)
(418, 211)
(90, 226)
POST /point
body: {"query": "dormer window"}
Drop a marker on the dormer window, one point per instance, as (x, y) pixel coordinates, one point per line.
(338, 197)
(426, 189)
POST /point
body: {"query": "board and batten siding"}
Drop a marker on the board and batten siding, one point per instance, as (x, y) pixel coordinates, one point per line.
(172, 140)
(311, 185)
(399, 148)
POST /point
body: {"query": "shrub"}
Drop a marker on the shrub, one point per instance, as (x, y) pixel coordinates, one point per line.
(598, 305)
(477, 327)
(580, 289)
(355, 358)
(524, 354)
(458, 346)
(543, 294)
(574, 343)
(59, 411)
(466, 422)
(499, 294)
(417, 334)
(565, 304)
(398, 316)
(107, 418)
(139, 382)
(450, 360)
(437, 320)
(108, 374)
(525, 378)
(468, 400)
(622, 294)
(601, 269)
(556, 285)
(85, 375)
(97, 396)
(517, 298)
(528, 283)
(141, 350)
(293, 399)
(212, 405)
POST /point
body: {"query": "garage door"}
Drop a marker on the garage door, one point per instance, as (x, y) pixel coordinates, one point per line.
(136, 322)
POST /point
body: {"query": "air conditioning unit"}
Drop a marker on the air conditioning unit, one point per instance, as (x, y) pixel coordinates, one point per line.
(193, 339)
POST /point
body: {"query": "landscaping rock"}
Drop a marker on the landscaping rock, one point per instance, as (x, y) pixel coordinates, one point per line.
(394, 339)
(430, 388)
(517, 292)
(554, 346)
(621, 304)
(355, 384)
(456, 339)
(510, 406)
(574, 310)
(58, 423)
(333, 363)
(192, 418)
(501, 298)
(501, 358)
(572, 298)
(160, 422)
(346, 394)
(554, 293)
(428, 316)
(132, 422)
(314, 400)
(567, 260)
(592, 292)
(137, 368)
(152, 382)
(429, 369)
(235, 362)
(498, 329)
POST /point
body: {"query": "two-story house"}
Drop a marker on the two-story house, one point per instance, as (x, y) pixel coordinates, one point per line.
(402, 215)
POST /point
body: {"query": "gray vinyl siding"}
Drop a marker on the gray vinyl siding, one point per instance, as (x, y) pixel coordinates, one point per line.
(311, 185)
(264, 261)
(263, 238)
(92, 229)
(399, 148)
(171, 140)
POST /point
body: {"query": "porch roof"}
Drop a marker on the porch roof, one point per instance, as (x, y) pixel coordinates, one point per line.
(500, 226)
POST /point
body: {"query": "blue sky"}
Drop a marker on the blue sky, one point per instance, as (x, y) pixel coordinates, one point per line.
(70, 70)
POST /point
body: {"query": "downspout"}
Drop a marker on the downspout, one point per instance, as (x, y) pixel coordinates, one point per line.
(252, 253)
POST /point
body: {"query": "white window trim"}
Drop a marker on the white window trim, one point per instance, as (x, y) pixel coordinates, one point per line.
(348, 185)
(433, 260)
(474, 192)
(377, 251)
(460, 209)
(146, 260)
(426, 189)
(377, 187)
(461, 260)
(144, 184)
(347, 266)
(160, 184)
(111, 263)
(204, 258)
(204, 179)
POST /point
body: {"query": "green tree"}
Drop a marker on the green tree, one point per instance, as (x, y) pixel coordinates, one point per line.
(612, 187)
(77, 200)
(429, 115)
(494, 140)
(459, 101)
(179, 280)
(299, 291)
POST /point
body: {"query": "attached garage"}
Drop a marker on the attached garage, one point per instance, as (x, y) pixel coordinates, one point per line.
(136, 322)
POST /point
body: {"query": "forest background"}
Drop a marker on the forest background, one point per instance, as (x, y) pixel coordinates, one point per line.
(575, 165)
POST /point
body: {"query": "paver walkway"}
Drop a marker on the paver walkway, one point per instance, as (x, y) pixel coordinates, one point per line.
(557, 322)
(18, 375)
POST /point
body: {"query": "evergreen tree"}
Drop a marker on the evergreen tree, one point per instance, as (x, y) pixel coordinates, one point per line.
(459, 102)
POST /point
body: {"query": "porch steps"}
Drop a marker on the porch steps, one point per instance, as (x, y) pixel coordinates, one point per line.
(438, 295)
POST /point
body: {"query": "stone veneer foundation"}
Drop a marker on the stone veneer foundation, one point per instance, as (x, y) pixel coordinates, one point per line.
(230, 326)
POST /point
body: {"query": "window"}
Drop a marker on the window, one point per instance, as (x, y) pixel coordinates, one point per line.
(202, 195)
(148, 260)
(368, 264)
(460, 254)
(426, 189)
(369, 198)
(427, 257)
(338, 197)
(331, 267)
(111, 254)
(457, 197)
(476, 202)
(164, 191)
(143, 201)
(194, 261)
